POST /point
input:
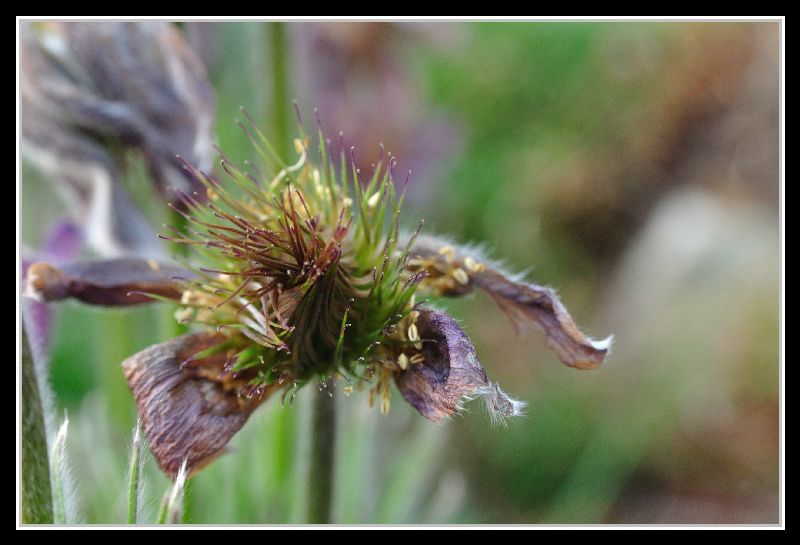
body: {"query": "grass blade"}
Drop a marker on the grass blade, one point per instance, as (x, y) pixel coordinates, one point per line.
(58, 469)
(134, 475)
(37, 497)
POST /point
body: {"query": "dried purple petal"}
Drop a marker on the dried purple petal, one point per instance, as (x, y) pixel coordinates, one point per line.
(523, 301)
(188, 412)
(123, 281)
(61, 244)
(454, 272)
(449, 374)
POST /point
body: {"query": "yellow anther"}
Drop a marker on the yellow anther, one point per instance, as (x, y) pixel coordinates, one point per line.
(402, 361)
(212, 195)
(298, 146)
(186, 297)
(413, 334)
(347, 201)
(204, 315)
(460, 276)
(347, 390)
(153, 264)
(183, 314)
(448, 252)
(413, 315)
(416, 359)
(473, 265)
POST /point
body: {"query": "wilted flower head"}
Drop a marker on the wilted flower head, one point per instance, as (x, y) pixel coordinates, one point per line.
(303, 275)
(91, 92)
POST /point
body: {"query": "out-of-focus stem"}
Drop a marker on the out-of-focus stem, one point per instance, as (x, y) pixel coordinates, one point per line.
(58, 468)
(37, 496)
(323, 447)
(278, 114)
(280, 89)
(177, 221)
(161, 517)
(133, 476)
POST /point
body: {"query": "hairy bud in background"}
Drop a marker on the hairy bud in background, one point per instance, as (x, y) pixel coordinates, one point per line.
(92, 92)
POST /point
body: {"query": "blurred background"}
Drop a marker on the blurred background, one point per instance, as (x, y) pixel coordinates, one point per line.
(632, 166)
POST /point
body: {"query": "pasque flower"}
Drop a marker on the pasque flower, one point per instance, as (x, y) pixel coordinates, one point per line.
(303, 275)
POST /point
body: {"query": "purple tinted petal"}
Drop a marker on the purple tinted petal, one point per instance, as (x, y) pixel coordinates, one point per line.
(62, 243)
(124, 281)
(523, 301)
(449, 374)
(39, 320)
(188, 412)
(453, 272)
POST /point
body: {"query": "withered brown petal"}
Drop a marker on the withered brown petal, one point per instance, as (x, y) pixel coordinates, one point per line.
(450, 373)
(113, 282)
(522, 301)
(188, 412)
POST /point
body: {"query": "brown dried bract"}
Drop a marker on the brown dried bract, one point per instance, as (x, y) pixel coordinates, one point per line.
(190, 408)
(523, 301)
(123, 281)
(452, 273)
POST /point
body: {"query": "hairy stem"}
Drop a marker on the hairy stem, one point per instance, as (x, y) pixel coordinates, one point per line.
(58, 471)
(161, 517)
(134, 475)
(323, 447)
(37, 496)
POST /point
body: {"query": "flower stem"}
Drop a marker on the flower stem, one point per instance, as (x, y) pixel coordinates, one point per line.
(37, 496)
(323, 447)
(280, 89)
(58, 469)
(161, 517)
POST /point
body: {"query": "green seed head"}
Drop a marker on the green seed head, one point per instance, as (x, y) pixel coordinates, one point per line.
(299, 267)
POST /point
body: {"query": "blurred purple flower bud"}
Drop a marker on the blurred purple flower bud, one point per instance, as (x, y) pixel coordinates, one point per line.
(61, 245)
(92, 91)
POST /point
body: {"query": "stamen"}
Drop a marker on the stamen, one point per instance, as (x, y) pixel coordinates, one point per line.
(460, 276)
(402, 361)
